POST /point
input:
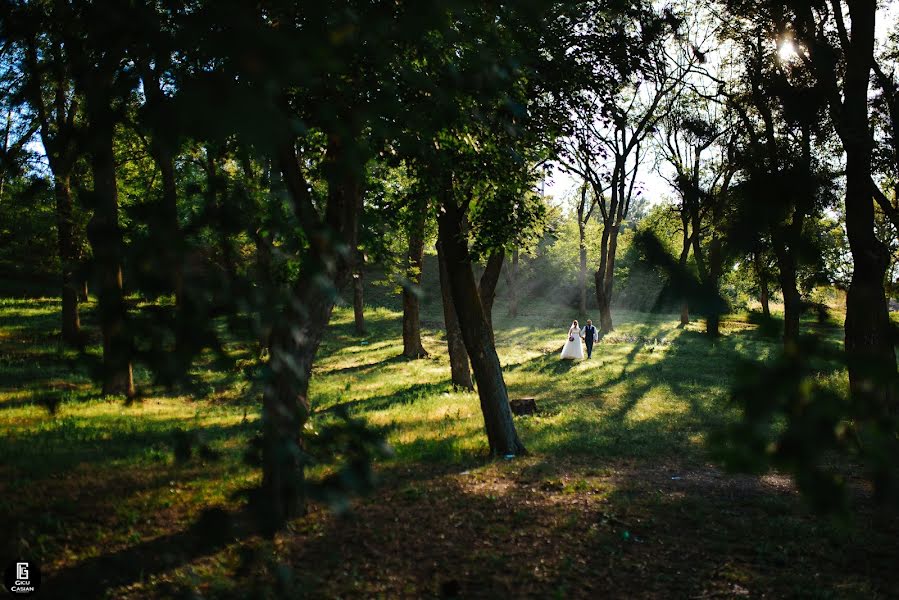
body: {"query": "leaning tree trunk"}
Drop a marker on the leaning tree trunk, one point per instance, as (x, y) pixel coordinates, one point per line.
(293, 344)
(295, 338)
(106, 239)
(460, 373)
(68, 258)
(412, 346)
(501, 434)
(487, 285)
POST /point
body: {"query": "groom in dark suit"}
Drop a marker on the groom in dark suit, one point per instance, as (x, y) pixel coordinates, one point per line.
(590, 335)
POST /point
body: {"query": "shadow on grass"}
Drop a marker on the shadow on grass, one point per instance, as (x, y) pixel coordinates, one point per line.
(407, 395)
(555, 530)
(365, 367)
(58, 445)
(214, 530)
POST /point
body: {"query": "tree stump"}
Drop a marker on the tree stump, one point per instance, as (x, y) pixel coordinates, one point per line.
(523, 406)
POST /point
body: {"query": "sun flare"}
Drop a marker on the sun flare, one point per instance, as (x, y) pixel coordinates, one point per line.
(786, 50)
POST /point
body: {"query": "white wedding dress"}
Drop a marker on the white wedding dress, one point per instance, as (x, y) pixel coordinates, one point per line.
(573, 348)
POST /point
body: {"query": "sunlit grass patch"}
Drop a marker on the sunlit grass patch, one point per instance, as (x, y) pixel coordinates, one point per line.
(108, 474)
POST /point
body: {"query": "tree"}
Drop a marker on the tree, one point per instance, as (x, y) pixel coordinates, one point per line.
(843, 72)
(48, 90)
(584, 211)
(614, 122)
(412, 346)
(100, 37)
(163, 146)
(702, 184)
(460, 374)
(476, 332)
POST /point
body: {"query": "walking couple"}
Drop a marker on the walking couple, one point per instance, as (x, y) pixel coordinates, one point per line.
(572, 349)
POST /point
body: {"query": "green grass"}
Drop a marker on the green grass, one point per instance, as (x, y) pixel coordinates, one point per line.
(618, 487)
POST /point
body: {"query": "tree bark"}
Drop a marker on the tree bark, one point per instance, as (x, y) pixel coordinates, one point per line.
(295, 338)
(501, 434)
(604, 277)
(163, 149)
(106, 240)
(682, 261)
(487, 285)
(712, 325)
(358, 299)
(412, 346)
(56, 123)
(172, 229)
(762, 276)
(459, 370)
(786, 264)
(68, 258)
(293, 344)
(582, 252)
(871, 356)
(709, 272)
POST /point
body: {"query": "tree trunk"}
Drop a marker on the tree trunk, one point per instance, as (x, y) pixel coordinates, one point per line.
(172, 229)
(296, 337)
(763, 286)
(712, 324)
(869, 344)
(764, 299)
(412, 346)
(786, 263)
(106, 240)
(684, 254)
(358, 289)
(82, 290)
(501, 434)
(460, 373)
(68, 258)
(512, 281)
(582, 257)
(286, 405)
(487, 285)
(604, 278)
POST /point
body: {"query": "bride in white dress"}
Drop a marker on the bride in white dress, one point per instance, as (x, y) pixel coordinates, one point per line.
(573, 349)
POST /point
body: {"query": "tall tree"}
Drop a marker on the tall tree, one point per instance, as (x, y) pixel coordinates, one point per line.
(459, 372)
(163, 146)
(842, 65)
(412, 346)
(607, 149)
(586, 203)
(50, 92)
(100, 36)
(476, 332)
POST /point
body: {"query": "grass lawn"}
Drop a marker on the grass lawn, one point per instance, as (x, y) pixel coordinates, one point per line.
(618, 497)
